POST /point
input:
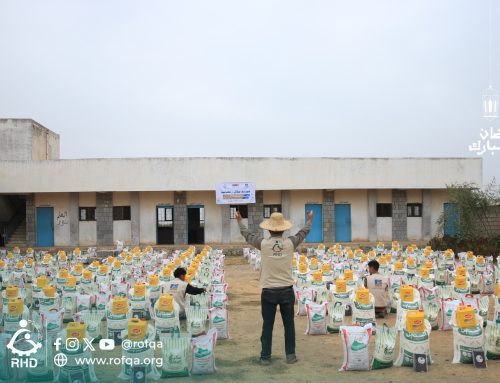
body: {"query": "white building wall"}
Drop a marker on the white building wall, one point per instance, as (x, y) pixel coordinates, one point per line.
(213, 217)
(414, 224)
(213, 214)
(122, 229)
(148, 202)
(198, 174)
(272, 197)
(15, 142)
(358, 199)
(87, 229)
(60, 203)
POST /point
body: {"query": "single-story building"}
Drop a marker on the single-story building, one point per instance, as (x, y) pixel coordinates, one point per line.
(48, 201)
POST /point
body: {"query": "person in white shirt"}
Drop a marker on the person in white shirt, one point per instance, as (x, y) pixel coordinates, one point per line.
(379, 287)
(179, 288)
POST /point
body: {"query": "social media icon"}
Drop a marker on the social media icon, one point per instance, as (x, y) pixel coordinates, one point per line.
(72, 344)
(107, 344)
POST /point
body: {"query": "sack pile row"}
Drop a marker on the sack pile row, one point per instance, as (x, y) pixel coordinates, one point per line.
(127, 297)
(428, 290)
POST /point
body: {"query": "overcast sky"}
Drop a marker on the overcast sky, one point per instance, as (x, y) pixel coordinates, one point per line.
(385, 78)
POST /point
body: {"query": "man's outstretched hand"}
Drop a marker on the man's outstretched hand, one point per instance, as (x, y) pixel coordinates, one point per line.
(238, 216)
(310, 216)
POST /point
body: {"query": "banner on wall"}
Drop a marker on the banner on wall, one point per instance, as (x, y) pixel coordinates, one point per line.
(235, 193)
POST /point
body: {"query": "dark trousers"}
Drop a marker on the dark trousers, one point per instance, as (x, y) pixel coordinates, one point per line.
(270, 299)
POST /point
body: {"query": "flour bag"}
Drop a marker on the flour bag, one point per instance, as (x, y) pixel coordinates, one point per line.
(355, 341)
(203, 353)
(317, 319)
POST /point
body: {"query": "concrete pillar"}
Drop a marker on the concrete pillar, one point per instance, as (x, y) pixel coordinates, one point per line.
(286, 207)
(426, 214)
(399, 219)
(225, 211)
(135, 218)
(328, 216)
(104, 218)
(256, 212)
(74, 219)
(30, 220)
(372, 215)
(180, 218)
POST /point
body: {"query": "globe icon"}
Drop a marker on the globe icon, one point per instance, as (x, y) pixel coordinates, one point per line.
(60, 360)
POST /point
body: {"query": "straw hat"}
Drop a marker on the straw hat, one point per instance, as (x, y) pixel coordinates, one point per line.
(276, 223)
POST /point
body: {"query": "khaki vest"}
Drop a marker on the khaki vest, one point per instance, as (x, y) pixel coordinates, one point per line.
(379, 287)
(177, 288)
(276, 262)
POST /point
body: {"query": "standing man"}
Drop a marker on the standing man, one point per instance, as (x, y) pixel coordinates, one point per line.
(276, 279)
(379, 287)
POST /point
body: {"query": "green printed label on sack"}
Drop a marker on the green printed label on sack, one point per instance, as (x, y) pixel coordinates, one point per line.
(202, 353)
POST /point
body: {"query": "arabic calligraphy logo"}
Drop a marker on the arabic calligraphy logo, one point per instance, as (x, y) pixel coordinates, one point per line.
(486, 143)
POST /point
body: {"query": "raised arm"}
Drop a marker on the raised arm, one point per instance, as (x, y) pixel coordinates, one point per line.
(298, 238)
(252, 238)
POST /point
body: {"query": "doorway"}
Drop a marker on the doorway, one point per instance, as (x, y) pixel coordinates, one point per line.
(164, 225)
(450, 227)
(196, 225)
(45, 226)
(316, 233)
(342, 222)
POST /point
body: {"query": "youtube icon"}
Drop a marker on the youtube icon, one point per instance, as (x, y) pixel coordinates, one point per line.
(107, 344)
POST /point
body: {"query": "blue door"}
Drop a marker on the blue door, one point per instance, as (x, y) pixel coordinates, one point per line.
(316, 233)
(342, 222)
(45, 226)
(450, 226)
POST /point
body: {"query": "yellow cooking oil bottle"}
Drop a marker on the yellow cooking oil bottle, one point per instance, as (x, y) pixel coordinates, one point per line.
(348, 275)
(166, 303)
(119, 305)
(71, 281)
(425, 272)
(41, 281)
(462, 271)
(460, 282)
(154, 280)
(317, 276)
(139, 289)
(15, 306)
(398, 266)
(49, 291)
(63, 273)
(325, 268)
(406, 293)
(363, 296)
(75, 330)
(465, 316)
(302, 267)
(137, 329)
(12, 292)
(340, 285)
(415, 321)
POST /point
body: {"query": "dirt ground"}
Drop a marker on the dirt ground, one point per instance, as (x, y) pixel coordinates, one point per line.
(319, 356)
